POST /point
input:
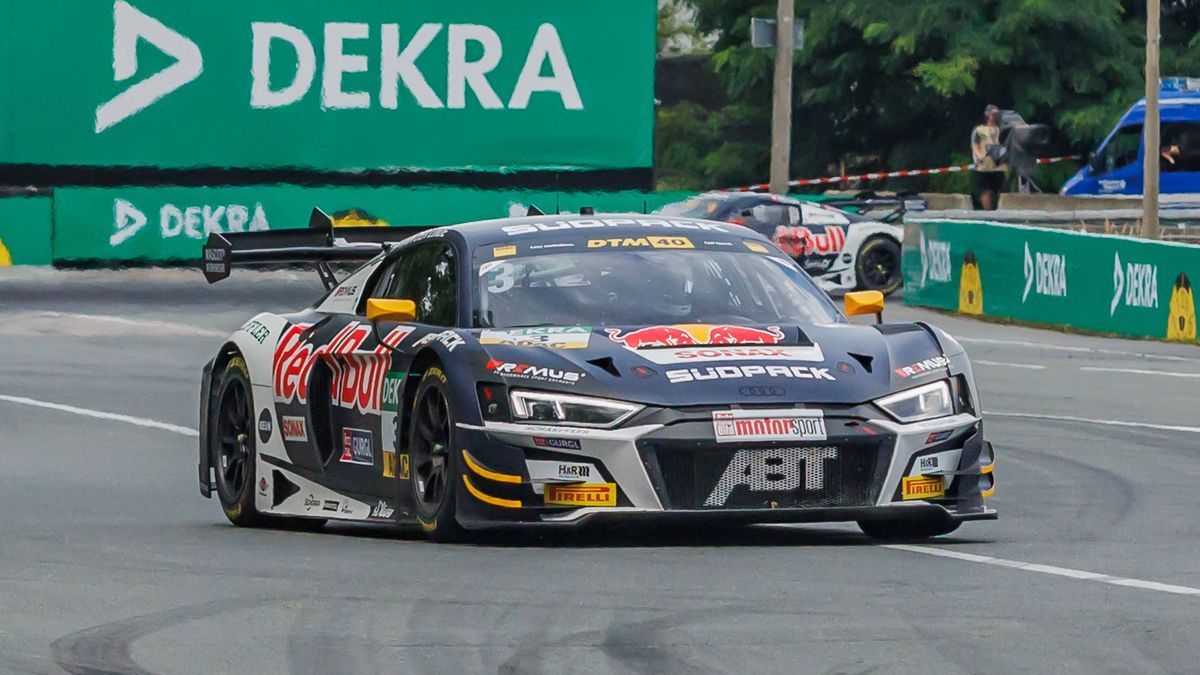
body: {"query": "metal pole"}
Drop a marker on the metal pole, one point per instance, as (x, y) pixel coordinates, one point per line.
(1150, 138)
(781, 114)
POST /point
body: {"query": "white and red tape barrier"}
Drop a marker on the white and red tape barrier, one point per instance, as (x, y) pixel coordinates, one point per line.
(762, 187)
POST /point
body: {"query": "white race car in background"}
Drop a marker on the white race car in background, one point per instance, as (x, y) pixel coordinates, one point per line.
(842, 251)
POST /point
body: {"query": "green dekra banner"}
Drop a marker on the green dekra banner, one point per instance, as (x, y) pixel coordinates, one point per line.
(336, 86)
(1094, 282)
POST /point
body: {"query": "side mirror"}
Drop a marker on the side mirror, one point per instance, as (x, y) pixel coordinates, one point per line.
(865, 302)
(386, 309)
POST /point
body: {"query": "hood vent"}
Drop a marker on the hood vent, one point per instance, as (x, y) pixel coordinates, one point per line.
(864, 360)
(606, 364)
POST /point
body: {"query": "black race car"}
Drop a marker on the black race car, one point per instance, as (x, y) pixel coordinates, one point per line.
(553, 370)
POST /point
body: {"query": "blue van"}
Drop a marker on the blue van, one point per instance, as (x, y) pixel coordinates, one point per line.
(1115, 168)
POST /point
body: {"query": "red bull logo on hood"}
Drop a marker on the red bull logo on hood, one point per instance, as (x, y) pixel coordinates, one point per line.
(695, 335)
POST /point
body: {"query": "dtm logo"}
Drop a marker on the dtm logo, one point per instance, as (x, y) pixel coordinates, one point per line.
(1135, 283)
(780, 470)
(1048, 270)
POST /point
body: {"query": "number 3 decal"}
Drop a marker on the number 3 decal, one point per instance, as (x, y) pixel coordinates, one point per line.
(503, 280)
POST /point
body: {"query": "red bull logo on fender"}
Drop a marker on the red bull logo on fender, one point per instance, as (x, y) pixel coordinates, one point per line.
(695, 334)
(798, 241)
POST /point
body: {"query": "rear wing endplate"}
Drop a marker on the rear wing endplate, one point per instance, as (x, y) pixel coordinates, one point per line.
(319, 243)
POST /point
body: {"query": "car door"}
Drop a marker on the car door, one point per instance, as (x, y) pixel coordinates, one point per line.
(365, 364)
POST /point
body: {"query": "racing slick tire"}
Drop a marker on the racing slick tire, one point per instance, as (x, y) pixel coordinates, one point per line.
(232, 435)
(436, 471)
(877, 267)
(909, 529)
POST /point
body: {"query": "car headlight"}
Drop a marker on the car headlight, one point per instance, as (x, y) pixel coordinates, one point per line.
(921, 403)
(582, 411)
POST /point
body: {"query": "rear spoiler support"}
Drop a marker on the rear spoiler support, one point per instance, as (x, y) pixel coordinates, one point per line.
(319, 243)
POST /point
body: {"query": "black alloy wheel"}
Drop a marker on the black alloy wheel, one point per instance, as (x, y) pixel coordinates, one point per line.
(233, 434)
(435, 472)
(878, 265)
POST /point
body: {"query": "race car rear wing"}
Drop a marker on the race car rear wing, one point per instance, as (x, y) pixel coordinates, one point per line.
(319, 243)
(866, 202)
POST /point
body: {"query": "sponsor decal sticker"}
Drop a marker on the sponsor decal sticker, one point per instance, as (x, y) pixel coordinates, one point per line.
(775, 470)
(756, 247)
(594, 223)
(345, 291)
(1046, 273)
(265, 426)
(449, 339)
(596, 494)
(542, 470)
(391, 392)
(357, 446)
(262, 486)
(256, 330)
(695, 334)
(922, 487)
(525, 371)
(922, 368)
(331, 505)
(740, 426)
(557, 443)
(660, 356)
(382, 510)
(311, 502)
(739, 372)
(938, 437)
(567, 337)
(799, 241)
(403, 465)
(503, 251)
(755, 391)
(642, 242)
(927, 463)
(294, 428)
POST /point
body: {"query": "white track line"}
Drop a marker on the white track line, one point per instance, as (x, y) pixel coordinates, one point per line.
(99, 414)
(1081, 575)
(1106, 423)
(1072, 348)
(1136, 371)
(145, 323)
(1026, 366)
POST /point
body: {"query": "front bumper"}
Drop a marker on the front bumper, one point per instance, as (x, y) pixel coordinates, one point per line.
(668, 466)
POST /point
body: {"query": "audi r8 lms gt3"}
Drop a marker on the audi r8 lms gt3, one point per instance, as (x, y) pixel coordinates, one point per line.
(555, 370)
(841, 250)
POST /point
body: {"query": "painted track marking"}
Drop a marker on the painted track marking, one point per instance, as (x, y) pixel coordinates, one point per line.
(1081, 575)
(1085, 420)
(100, 414)
(1136, 371)
(1071, 348)
(140, 323)
(1026, 366)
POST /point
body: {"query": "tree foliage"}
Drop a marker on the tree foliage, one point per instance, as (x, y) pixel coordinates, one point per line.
(900, 83)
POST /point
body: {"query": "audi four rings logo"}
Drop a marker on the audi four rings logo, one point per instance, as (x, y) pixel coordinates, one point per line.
(761, 391)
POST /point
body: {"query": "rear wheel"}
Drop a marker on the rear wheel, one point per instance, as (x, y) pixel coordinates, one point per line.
(232, 436)
(878, 265)
(435, 469)
(910, 529)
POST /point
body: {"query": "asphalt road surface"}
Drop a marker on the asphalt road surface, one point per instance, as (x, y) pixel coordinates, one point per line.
(110, 561)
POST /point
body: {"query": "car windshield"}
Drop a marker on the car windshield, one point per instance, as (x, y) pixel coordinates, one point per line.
(697, 207)
(646, 288)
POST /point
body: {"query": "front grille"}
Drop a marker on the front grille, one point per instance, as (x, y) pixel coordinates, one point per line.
(828, 475)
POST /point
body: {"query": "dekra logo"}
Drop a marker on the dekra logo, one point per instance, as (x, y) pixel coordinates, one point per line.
(1135, 283)
(1045, 272)
(472, 52)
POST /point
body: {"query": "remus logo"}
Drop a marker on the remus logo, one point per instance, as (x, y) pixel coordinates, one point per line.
(472, 53)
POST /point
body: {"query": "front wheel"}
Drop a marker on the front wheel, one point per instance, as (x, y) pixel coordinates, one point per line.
(232, 436)
(435, 468)
(908, 529)
(878, 266)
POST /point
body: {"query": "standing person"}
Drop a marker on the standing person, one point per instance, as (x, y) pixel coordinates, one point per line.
(989, 175)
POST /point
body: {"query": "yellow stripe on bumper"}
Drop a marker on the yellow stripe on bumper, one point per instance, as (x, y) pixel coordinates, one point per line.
(490, 475)
(488, 499)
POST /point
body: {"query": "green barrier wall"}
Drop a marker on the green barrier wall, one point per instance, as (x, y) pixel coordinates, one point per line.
(340, 86)
(25, 230)
(169, 224)
(1093, 282)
